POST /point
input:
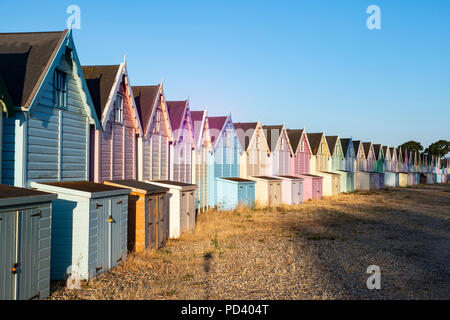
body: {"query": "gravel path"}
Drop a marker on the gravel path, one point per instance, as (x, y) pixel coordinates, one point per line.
(320, 250)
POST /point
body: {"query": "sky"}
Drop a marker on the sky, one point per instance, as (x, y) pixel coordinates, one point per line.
(306, 64)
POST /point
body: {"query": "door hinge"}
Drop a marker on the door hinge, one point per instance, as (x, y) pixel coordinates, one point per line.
(119, 260)
(98, 269)
(120, 202)
(99, 205)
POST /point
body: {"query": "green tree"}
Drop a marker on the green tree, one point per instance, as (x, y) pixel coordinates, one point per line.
(412, 146)
(439, 148)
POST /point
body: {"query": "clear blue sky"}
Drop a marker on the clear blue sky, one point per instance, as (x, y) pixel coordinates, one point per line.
(302, 63)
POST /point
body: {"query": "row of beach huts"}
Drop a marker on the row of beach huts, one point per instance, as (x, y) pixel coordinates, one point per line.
(93, 167)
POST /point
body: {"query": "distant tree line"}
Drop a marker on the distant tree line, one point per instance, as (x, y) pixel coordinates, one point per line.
(438, 149)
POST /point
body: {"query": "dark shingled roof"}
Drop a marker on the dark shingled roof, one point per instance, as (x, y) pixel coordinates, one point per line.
(376, 148)
(385, 150)
(356, 145)
(366, 147)
(294, 138)
(134, 184)
(238, 180)
(176, 111)
(24, 60)
(215, 127)
(392, 152)
(174, 183)
(332, 140)
(145, 97)
(14, 192)
(314, 141)
(267, 178)
(197, 120)
(84, 186)
(272, 140)
(241, 129)
(344, 144)
(100, 80)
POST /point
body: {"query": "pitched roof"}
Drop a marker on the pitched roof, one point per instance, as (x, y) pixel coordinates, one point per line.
(314, 141)
(197, 119)
(215, 127)
(376, 148)
(100, 81)
(344, 144)
(392, 149)
(145, 97)
(24, 61)
(272, 140)
(356, 146)
(385, 150)
(294, 138)
(241, 129)
(332, 140)
(176, 112)
(366, 147)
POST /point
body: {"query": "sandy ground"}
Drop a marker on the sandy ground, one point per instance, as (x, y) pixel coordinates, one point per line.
(320, 250)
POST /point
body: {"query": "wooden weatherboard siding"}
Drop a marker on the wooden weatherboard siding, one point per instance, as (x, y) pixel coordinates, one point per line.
(254, 160)
(224, 158)
(154, 145)
(44, 142)
(114, 146)
(201, 157)
(280, 149)
(183, 142)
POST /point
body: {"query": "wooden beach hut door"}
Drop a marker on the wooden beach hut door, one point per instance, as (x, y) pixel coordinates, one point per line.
(296, 192)
(163, 222)
(150, 219)
(109, 240)
(190, 198)
(19, 248)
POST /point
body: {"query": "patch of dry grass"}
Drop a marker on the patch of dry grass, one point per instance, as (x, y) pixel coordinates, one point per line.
(318, 250)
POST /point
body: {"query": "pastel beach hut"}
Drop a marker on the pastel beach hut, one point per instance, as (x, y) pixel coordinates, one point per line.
(114, 146)
(300, 165)
(47, 139)
(255, 157)
(376, 180)
(280, 161)
(320, 166)
(337, 164)
(379, 165)
(235, 192)
(349, 162)
(390, 173)
(403, 168)
(154, 143)
(201, 156)
(224, 159)
(183, 141)
(362, 176)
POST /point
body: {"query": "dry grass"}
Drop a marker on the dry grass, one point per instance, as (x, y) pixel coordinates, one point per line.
(319, 250)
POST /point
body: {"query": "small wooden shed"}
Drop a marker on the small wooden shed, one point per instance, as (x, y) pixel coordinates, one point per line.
(403, 179)
(25, 229)
(291, 189)
(232, 192)
(182, 211)
(89, 227)
(300, 165)
(390, 164)
(337, 164)
(268, 191)
(148, 214)
(362, 177)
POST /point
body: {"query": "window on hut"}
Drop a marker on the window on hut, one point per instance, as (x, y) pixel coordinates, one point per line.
(118, 107)
(60, 88)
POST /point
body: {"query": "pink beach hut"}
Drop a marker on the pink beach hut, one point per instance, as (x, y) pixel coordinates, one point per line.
(113, 148)
(300, 165)
(183, 141)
